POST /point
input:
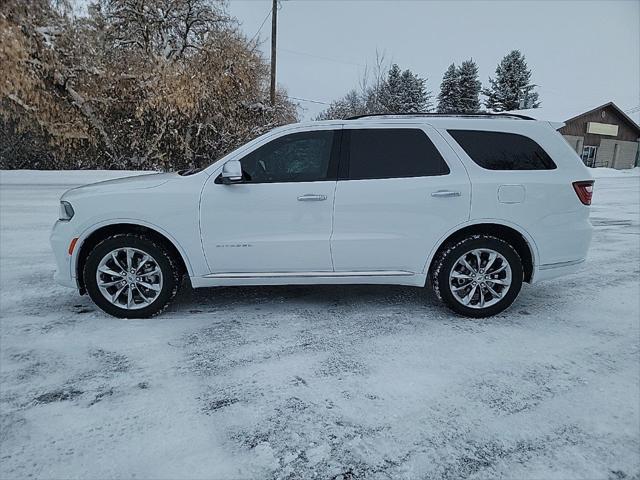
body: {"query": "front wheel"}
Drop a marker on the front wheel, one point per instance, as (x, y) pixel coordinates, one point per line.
(131, 276)
(478, 276)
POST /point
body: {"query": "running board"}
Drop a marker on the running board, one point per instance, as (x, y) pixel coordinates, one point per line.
(385, 273)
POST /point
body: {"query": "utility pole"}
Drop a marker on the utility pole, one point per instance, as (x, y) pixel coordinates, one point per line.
(274, 27)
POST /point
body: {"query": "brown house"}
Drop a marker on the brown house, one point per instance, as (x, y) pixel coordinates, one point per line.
(604, 137)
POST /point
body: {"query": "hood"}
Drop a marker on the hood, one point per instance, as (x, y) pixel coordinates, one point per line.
(127, 183)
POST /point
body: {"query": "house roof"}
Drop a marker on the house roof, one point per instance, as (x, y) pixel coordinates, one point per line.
(551, 114)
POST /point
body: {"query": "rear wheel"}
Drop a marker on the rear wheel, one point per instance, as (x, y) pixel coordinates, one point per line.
(131, 276)
(478, 276)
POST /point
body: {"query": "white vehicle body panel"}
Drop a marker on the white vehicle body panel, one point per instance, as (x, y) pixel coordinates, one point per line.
(366, 231)
(546, 206)
(391, 223)
(168, 206)
(267, 227)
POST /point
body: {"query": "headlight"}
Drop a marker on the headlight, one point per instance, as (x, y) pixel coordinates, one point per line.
(66, 211)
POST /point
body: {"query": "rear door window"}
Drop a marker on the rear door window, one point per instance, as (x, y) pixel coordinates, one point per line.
(502, 151)
(392, 153)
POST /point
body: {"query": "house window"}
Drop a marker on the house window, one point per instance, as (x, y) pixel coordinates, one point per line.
(589, 155)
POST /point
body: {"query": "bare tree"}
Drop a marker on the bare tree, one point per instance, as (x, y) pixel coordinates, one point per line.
(363, 100)
(134, 84)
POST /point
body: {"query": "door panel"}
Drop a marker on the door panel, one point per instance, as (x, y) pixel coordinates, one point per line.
(279, 219)
(393, 223)
(265, 228)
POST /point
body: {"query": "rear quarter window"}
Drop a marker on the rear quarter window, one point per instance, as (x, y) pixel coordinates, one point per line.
(502, 151)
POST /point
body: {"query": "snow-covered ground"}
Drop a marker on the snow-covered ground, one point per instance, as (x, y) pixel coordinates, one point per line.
(319, 381)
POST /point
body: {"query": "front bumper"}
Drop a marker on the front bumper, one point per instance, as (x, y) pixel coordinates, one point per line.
(60, 238)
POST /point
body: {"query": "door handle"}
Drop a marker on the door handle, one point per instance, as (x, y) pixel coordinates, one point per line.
(311, 197)
(445, 193)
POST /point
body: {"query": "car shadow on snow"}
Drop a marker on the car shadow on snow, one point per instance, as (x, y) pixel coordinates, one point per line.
(321, 296)
(346, 301)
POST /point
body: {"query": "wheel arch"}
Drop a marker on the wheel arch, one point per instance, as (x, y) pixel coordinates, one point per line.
(515, 235)
(94, 235)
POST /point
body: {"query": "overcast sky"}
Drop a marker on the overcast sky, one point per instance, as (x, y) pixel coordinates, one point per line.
(582, 53)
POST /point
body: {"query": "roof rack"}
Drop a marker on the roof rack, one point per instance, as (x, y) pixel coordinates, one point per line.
(427, 114)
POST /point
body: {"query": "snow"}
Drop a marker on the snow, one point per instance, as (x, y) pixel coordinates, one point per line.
(602, 172)
(319, 381)
(62, 178)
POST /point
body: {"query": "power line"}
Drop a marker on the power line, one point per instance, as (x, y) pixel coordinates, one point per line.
(306, 100)
(261, 25)
(295, 52)
(273, 14)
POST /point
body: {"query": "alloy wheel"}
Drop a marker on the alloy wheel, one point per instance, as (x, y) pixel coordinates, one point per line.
(480, 278)
(129, 278)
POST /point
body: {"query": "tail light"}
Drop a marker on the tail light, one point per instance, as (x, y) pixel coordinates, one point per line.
(584, 190)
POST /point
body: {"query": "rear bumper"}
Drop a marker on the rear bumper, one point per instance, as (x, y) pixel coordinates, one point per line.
(563, 242)
(60, 238)
(554, 270)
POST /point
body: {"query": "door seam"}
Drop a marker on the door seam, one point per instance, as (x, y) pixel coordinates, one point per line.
(461, 162)
(335, 190)
(333, 218)
(204, 251)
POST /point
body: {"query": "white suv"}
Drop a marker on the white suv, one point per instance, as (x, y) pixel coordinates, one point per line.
(471, 205)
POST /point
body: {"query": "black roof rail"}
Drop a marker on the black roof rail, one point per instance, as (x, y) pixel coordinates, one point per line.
(427, 114)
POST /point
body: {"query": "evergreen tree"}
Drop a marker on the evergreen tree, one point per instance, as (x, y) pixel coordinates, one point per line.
(448, 96)
(468, 98)
(511, 90)
(404, 92)
(352, 104)
(400, 92)
(414, 96)
(391, 91)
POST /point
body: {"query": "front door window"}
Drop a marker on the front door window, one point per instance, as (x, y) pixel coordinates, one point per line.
(299, 157)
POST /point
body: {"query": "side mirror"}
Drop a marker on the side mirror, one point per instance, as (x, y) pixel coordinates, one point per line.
(232, 172)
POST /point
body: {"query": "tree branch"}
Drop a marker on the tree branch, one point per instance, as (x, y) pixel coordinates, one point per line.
(86, 110)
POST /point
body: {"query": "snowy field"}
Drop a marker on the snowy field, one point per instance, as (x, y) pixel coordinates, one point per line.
(343, 382)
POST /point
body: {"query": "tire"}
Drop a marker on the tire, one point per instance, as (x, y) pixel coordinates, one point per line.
(152, 287)
(485, 292)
